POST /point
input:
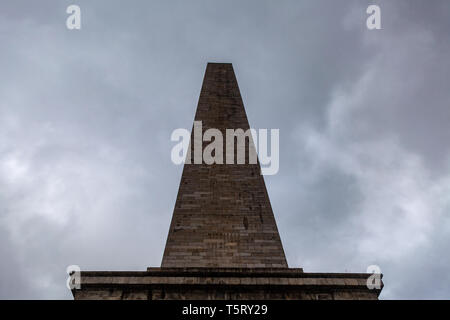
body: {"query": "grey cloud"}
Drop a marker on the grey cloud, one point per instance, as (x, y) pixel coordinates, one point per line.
(86, 118)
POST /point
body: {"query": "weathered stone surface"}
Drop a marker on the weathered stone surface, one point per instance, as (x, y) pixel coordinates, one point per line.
(222, 215)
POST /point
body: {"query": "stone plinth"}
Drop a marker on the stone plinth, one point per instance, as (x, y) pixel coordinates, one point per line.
(223, 284)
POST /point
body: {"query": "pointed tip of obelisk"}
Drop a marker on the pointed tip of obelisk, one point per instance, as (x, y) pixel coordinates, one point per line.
(220, 63)
(219, 66)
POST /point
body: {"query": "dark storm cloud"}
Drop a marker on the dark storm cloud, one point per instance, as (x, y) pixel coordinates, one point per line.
(86, 118)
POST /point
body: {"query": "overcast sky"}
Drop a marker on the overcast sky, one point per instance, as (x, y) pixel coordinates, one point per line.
(86, 118)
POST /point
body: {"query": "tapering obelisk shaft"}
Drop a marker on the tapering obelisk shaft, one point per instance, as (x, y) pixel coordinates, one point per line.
(222, 215)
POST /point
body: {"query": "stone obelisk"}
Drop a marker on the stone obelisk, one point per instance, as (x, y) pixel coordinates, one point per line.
(223, 242)
(222, 215)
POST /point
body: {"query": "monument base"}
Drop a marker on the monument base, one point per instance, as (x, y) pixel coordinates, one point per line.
(223, 284)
